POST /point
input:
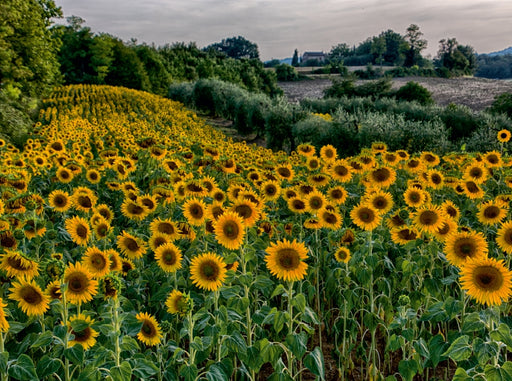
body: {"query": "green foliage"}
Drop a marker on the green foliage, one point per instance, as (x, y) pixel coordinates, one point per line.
(347, 87)
(27, 48)
(455, 60)
(285, 72)
(236, 47)
(502, 104)
(413, 91)
(15, 118)
(496, 67)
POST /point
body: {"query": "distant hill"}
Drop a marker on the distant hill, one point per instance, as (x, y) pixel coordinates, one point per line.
(501, 52)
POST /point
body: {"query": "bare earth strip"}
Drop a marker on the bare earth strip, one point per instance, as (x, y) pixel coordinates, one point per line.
(476, 93)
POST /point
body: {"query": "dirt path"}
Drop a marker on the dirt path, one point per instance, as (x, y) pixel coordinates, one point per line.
(476, 93)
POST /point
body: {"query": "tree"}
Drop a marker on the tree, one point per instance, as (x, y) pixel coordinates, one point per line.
(295, 59)
(394, 46)
(27, 48)
(378, 49)
(127, 69)
(236, 47)
(415, 44)
(454, 59)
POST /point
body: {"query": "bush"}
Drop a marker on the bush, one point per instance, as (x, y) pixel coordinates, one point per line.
(459, 120)
(502, 104)
(346, 87)
(413, 91)
(15, 117)
(285, 72)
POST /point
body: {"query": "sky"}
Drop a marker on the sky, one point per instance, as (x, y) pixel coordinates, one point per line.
(279, 27)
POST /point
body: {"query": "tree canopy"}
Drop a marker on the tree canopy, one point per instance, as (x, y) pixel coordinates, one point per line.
(236, 47)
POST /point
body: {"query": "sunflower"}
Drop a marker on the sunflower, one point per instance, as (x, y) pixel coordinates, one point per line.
(413, 165)
(31, 299)
(131, 246)
(390, 158)
(285, 260)
(319, 179)
(348, 237)
(330, 219)
(504, 237)
(4, 324)
(150, 333)
(248, 210)
(403, 235)
(428, 218)
(101, 228)
(415, 197)
(328, 153)
(449, 226)
(492, 212)
(285, 172)
(64, 175)
(382, 177)
(229, 230)
(493, 159)
(126, 266)
(80, 285)
(53, 290)
(459, 246)
(208, 271)
(503, 135)
(430, 158)
(16, 265)
(86, 337)
(306, 149)
(472, 190)
(450, 210)
(476, 172)
(313, 163)
(340, 170)
(157, 240)
(167, 227)
(79, 230)
(337, 195)
(487, 280)
(219, 195)
(115, 259)
(297, 205)
(133, 210)
(105, 211)
(380, 200)
(194, 211)
(168, 257)
(93, 176)
(315, 201)
(178, 303)
(59, 200)
(365, 216)
(148, 202)
(96, 261)
(8, 241)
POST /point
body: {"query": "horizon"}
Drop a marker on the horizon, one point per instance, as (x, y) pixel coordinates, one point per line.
(280, 28)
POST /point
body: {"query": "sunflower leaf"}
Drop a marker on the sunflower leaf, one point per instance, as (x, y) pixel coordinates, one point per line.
(314, 361)
(47, 366)
(43, 340)
(460, 349)
(79, 325)
(75, 354)
(503, 334)
(122, 372)
(23, 369)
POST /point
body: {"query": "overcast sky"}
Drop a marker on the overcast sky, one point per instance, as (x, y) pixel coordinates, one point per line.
(280, 26)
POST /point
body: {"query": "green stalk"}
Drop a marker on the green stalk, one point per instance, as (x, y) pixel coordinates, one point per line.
(373, 349)
(290, 327)
(115, 323)
(2, 350)
(66, 337)
(191, 350)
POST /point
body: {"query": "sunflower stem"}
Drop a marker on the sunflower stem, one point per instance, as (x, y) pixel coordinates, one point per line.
(115, 323)
(2, 350)
(191, 350)
(290, 327)
(66, 336)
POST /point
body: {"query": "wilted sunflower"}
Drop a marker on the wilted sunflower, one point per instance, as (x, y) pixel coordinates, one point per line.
(150, 333)
(178, 303)
(492, 212)
(208, 271)
(285, 260)
(131, 246)
(96, 261)
(487, 280)
(504, 237)
(503, 135)
(4, 324)
(194, 211)
(229, 230)
(16, 265)
(80, 285)
(79, 230)
(428, 218)
(459, 246)
(8, 241)
(348, 237)
(59, 200)
(168, 257)
(31, 299)
(86, 337)
(365, 216)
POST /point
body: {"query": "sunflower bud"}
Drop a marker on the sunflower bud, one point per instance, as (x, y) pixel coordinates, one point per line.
(111, 285)
(30, 205)
(19, 234)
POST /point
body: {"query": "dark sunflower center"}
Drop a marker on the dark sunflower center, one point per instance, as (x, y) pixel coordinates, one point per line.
(341, 170)
(465, 247)
(78, 283)
(298, 204)
(428, 218)
(476, 172)
(82, 336)
(472, 187)
(85, 202)
(81, 231)
(284, 172)
(131, 244)
(169, 257)
(381, 175)
(60, 201)
(148, 329)
(231, 230)
(444, 229)
(366, 215)
(209, 270)
(244, 211)
(508, 236)
(17, 263)
(196, 211)
(330, 218)
(493, 159)
(491, 212)
(288, 259)
(98, 261)
(380, 202)
(166, 228)
(135, 209)
(488, 278)
(315, 203)
(31, 295)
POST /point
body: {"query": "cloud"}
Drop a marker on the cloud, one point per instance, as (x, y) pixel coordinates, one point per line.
(278, 27)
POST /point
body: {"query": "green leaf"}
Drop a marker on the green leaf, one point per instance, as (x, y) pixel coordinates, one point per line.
(279, 290)
(129, 344)
(485, 350)
(4, 358)
(189, 373)
(408, 368)
(60, 331)
(253, 359)
(216, 373)
(503, 334)
(43, 340)
(75, 354)
(461, 375)
(131, 324)
(122, 372)
(299, 301)
(421, 348)
(79, 325)
(297, 344)
(23, 369)
(271, 353)
(395, 342)
(280, 319)
(47, 366)
(497, 373)
(460, 349)
(236, 343)
(314, 361)
(89, 373)
(143, 368)
(436, 347)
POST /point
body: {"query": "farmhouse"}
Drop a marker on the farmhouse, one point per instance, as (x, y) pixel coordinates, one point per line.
(317, 56)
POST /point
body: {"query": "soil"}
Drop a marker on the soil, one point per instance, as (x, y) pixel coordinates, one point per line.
(476, 93)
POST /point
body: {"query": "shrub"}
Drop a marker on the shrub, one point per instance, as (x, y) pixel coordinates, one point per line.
(459, 120)
(285, 72)
(375, 89)
(502, 104)
(413, 91)
(340, 88)
(15, 117)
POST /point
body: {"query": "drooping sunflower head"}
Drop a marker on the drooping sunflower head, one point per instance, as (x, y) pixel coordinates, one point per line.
(16, 264)
(229, 230)
(285, 260)
(80, 326)
(178, 303)
(487, 280)
(168, 257)
(459, 246)
(208, 271)
(31, 299)
(79, 230)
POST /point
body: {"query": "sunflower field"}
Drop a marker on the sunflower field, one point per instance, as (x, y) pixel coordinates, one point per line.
(139, 243)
